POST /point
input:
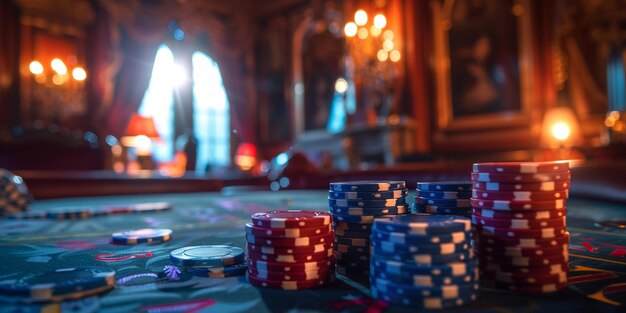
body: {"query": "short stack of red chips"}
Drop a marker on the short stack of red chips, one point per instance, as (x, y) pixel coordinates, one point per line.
(290, 249)
(520, 233)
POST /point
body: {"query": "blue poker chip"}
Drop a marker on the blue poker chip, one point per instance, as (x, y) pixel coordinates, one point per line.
(445, 186)
(352, 257)
(445, 194)
(452, 291)
(355, 242)
(423, 224)
(365, 203)
(366, 195)
(364, 219)
(371, 186)
(219, 272)
(60, 284)
(433, 248)
(145, 235)
(433, 209)
(413, 239)
(350, 226)
(425, 279)
(398, 267)
(423, 302)
(353, 233)
(425, 258)
(442, 202)
(373, 211)
(208, 255)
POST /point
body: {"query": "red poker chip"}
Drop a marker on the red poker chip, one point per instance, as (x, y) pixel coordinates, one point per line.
(515, 205)
(536, 289)
(528, 261)
(537, 186)
(515, 178)
(551, 269)
(550, 232)
(291, 258)
(291, 219)
(488, 240)
(294, 276)
(522, 167)
(520, 195)
(524, 278)
(521, 251)
(291, 267)
(519, 223)
(528, 215)
(290, 242)
(291, 250)
(290, 285)
(287, 232)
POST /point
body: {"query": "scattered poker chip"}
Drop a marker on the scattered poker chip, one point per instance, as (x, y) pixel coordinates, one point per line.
(445, 186)
(520, 195)
(433, 209)
(371, 186)
(358, 211)
(551, 269)
(207, 255)
(536, 186)
(351, 226)
(404, 238)
(441, 248)
(290, 242)
(144, 235)
(286, 232)
(219, 272)
(60, 284)
(14, 195)
(425, 302)
(291, 219)
(291, 250)
(397, 267)
(69, 213)
(425, 280)
(516, 205)
(522, 167)
(444, 292)
(351, 249)
(353, 233)
(445, 194)
(521, 279)
(523, 251)
(519, 223)
(528, 215)
(513, 178)
(524, 288)
(150, 207)
(426, 259)
(290, 267)
(291, 258)
(362, 203)
(442, 202)
(294, 276)
(354, 242)
(488, 240)
(547, 232)
(290, 284)
(423, 224)
(364, 195)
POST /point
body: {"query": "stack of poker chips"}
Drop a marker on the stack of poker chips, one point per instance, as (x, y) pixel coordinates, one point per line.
(519, 218)
(423, 261)
(215, 261)
(354, 205)
(445, 197)
(290, 249)
(14, 195)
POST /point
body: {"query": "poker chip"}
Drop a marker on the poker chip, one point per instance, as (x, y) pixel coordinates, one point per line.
(523, 251)
(347, 212)
(69, 213)
(364, 219)
(293, 276)
(424, 224)
(353, 242)
(490, 240)
(522, 167)
(353, 233)
(290, 267)
(425, 280)
(513, 178)
(352, 271)
(519, 223)
(425, 258)
(517, 205)
(442, 202)
(423, 302)
(351, 226)
(452, 291)
(60, 284)
(365, 203)
(520, 195)
(14, 194)
(371, 186)
(207, 255)
(526, 279)
(291, 219)
(352, 249)
(286, 232)
(291, 250)
(443, 210)
(364, 195)
(404, 238)
(536, 186)
(28, 215)
(445, 194)
(150, 207)
(144, 235)
(524, 288)
(528, 215)
(441, 248)
(445, 186)
(290, 242)
(290, 284)
(291, 258)
(520, 233)
(450, 269)
(525, 270)
(219, 272)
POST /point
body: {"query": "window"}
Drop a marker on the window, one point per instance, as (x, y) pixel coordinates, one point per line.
(211, 118)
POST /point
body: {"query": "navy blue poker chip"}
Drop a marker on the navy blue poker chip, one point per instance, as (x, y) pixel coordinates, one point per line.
(445, 186)
(355, 242)
(365, 203)
(366, 195)
(423, 302)
(434, 209)
(60, 284)
(423, 224)
(219, 272)
(452, 291)
(404, 278)
(445, 194)
(433, 248)
(425, 258)
(69, 213)
(373, 211)
(413, 239)
(371, 186)
(363, 219)
(207, 255)
(397, 267)
(353, 233)
(350, 226)
(442, 202)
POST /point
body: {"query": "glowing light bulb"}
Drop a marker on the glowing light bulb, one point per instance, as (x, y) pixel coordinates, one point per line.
(363, 33)
(58, 66)
(79, 74)
(382, 55)
(350, 29)
(388, 35)
(36, 67)
(380, 21)
(341, 85)
(394, 56)
(560, 131)
(388, 45)
(360, 17)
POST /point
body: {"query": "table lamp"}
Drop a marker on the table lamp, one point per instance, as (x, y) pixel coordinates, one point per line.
(560, 131)
(140, 134)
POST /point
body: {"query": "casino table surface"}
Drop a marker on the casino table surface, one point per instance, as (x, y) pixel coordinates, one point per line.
(147, 283)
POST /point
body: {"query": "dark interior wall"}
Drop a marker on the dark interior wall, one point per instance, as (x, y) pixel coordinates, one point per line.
(9, 65)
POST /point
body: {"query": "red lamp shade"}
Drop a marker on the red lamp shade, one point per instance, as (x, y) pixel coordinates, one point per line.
(142, 125)
(245, 157)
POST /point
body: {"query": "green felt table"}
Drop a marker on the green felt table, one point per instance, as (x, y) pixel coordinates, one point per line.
(597, 279)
